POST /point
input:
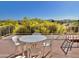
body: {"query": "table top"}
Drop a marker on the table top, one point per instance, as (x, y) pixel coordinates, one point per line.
(32, 38)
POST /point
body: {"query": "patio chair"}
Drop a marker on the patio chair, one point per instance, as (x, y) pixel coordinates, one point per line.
(68, 43)
(47, 46)
(17, 43)
(15, 39)
(41, 50)
(47, 43)
(35, 51)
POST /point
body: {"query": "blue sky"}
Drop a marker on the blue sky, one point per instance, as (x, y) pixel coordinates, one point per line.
(42, 9)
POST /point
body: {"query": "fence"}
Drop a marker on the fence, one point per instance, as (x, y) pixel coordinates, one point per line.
(6, 30)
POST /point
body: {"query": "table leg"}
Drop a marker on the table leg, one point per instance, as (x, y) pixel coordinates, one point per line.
(23, 51)
(28, 53)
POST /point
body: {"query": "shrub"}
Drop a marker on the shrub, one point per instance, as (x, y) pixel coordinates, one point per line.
(21, 30)
(61, 29)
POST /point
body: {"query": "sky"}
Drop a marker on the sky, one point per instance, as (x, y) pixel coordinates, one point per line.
(39, 9)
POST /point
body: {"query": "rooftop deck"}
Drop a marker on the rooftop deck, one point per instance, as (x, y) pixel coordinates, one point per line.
(56, 52)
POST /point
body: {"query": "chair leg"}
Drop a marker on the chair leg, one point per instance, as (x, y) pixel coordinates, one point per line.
(71, 45)
(16, 50)
(63, 48)
(77, 45)
(68, 48)
(22, 47)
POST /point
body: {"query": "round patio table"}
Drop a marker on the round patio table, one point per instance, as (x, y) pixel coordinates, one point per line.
(32, 38)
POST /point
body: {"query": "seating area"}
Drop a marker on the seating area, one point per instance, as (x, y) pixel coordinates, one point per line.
(49, 48)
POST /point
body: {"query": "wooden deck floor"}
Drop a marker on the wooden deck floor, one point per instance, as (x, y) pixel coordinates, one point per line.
(56, 51)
